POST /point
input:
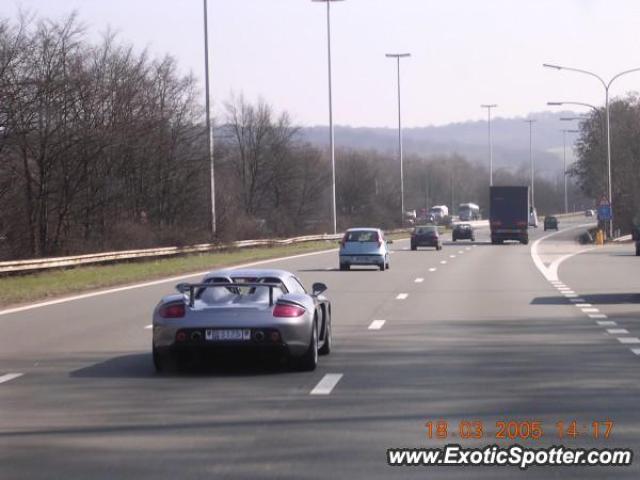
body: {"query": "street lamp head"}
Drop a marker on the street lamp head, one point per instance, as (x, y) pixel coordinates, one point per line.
(571, 119)
(555, 104)
(397, 55)
(324, 1)
(549, 65)
(493, 105)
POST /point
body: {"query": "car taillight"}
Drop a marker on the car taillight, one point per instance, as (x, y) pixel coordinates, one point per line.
(287, 310)
(172, 310)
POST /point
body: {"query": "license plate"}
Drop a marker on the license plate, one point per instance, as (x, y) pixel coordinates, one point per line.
(225, 335)
(361, 259)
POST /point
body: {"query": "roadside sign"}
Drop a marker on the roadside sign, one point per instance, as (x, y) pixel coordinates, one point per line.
(604, 212)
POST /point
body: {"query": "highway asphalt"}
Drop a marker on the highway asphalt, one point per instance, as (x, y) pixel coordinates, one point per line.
(475, 332)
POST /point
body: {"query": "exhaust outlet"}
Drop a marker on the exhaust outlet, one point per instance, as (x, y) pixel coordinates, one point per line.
(196, 336)
(259, 336)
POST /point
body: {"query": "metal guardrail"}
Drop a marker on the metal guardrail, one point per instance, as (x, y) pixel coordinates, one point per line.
(32, 265)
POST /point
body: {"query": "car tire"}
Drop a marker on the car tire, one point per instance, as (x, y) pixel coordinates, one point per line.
(454, 239)
(413, 247)
(525, 241)
(309, 360)
(439, 247)
(344, 266)
(163, 362)
(473, 239)
(382, 267)
(388, 265)
(637, 250)
(326, 346)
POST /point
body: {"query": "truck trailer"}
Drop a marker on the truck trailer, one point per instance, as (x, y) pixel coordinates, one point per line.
(509, 214)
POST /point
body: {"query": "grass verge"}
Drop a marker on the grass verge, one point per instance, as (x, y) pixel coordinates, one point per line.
(55, 283)
(37, 287)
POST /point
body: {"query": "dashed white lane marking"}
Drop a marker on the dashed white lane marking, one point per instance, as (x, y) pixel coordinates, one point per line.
(563, 288)
(9, 376)
(629, 340)
(577, 300)
(402, 296)
(607, 323)
(468, 248)
(584, 305)
(432, 269)
(590, 310)
(452, 256)
(570, 295)
(419, 280)
(377, 324)
(443, 262)
(597, 315)
(569, 292)
(327, 384)
(148, 327)
(636, 351)
(618, 331)
(461, 252)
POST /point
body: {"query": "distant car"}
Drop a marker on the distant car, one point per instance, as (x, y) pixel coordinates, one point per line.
(589, 213)
(243, 310)
(635, 236)
(364, 246)
(426, 236)
(463, 231)
(550, 223)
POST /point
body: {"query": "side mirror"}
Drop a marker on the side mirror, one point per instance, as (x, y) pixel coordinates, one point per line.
(182, 287)
(318, 288)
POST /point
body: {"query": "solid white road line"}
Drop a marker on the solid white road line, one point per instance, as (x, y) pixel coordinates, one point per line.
(590, 310)
(152, 283)
(597, 315)
(618, 331)
(584, 305)
(419, 280)
(577, 300)
(551, 272)
(629, 340)
(563, 288)
(443, 262)
(148, 327)
(376, 324)
(432, 269)
(10, 376)
(328, 382)
(402, 296)
(636, 351)
(607, 323)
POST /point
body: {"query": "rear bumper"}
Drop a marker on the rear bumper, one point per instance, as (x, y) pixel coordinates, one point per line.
(365, 259)
(509, 234)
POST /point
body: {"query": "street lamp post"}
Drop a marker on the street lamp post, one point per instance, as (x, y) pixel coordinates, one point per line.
(212, 184)
(489, 107)
(531, 122)
(564, 165)
(331, 137)
(398, 56)
(607, 86)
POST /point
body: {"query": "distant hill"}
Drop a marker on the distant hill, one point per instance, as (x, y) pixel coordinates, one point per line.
(469, 139)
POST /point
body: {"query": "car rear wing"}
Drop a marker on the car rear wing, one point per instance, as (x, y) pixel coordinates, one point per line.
(192, 288)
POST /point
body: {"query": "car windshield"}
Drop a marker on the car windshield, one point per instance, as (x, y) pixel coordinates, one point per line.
(426, 230)
(362, 236)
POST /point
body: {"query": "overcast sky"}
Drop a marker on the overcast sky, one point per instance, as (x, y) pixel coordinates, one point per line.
(465, 52)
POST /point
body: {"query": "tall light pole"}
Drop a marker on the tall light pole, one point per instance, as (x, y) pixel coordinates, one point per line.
(564, 165)
(607, 86)
(212, 183)
(331, 137)
(398, 56)
(531, 122)
(489, 107)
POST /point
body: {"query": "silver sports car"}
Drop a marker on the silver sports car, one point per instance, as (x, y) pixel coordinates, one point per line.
(253, 309)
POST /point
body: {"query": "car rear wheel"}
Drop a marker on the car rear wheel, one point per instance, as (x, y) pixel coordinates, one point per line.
(309, 361)
(326, 346)
(344, 266)
(163, 362)
(414, 247)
